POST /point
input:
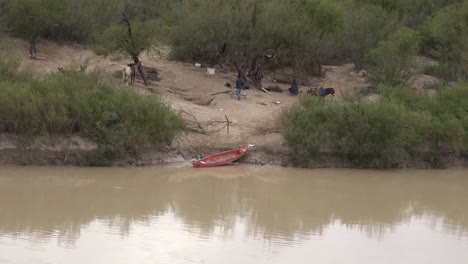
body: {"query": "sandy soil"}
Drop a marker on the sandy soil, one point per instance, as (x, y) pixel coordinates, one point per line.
(188, 89)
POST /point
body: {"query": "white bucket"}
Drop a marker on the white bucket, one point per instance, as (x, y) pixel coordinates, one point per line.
(198, 65)
(210, 71)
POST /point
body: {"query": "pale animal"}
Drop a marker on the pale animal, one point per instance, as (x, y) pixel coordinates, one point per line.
(128, 74)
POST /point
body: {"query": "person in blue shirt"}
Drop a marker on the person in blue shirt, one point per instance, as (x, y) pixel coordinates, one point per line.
(240, 85)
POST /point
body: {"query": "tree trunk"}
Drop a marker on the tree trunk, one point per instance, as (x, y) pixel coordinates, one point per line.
(32, 49)
(142, 74)
(239, 70)
(256, 78)
(140, 70)
(357, 64)
(127, 18)
(300, 77)
(316, 68)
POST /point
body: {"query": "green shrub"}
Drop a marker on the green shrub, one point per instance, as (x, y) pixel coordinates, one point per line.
(440, 71)
(448, 110)
(402, 126)
(8, 67)
(378, 135)
(368, 135)
(393, 61)
(447, 31)
(451, 106)
(76, 103)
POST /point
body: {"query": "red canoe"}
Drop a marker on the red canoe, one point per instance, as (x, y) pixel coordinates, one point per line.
(221, 158)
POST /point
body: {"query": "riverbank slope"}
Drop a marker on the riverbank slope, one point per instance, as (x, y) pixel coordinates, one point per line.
(202, 100)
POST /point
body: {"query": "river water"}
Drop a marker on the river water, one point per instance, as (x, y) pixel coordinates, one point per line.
(233, 214)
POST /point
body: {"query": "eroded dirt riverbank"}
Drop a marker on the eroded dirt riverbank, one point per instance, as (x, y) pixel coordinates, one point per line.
(79, 151)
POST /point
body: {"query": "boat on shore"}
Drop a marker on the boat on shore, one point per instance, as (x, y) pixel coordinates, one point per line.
(222, 158)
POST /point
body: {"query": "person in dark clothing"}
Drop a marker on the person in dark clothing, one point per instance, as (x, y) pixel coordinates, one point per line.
(240, 85)
(294, 90)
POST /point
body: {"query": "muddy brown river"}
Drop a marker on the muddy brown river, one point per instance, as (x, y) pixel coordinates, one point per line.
(234, 214)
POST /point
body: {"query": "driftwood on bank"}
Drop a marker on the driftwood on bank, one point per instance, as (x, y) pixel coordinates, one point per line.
(225, 92)
(205, 127)
(199, 101)
(265, 90)
(274, 88)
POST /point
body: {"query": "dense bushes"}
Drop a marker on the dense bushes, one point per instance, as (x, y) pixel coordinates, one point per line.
(253, 36)
(77, 103)
(74, 20)
(447, 30)
(448, 111)
(402, 126)
(369, 135)
(393, 61)
(365, 26)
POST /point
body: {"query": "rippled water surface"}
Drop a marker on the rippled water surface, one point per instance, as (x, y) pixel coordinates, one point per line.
(234, 214)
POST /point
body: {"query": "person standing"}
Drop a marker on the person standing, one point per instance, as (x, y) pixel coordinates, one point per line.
(240, 85)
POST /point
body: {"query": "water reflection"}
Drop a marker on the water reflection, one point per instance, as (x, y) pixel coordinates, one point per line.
(271, 203)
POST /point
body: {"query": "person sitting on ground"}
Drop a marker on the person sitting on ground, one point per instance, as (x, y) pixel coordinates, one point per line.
(240, 85)
(294, 90)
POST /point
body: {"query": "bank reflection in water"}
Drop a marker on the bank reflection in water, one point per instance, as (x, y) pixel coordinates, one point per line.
(40, 202)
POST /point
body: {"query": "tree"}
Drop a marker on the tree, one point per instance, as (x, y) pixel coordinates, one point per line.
(227, 36)
(448, 29)
(87, 18)
(320, 24)
(393, 61)
(3, 6)
(32, 19)
(249, 35)
(413, 13)
(366, 26)
(131, 36)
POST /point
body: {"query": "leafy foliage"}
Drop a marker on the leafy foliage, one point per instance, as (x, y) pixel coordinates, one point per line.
(368, 135)
(118, 38)
(78, 103)
(414, 13)
(402, 126)
(393, 61)
(366, 26)
(32, 19)
(86, 18)
(448, 29)
(250, 35)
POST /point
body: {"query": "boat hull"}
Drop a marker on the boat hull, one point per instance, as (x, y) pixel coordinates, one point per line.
(221, 158)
